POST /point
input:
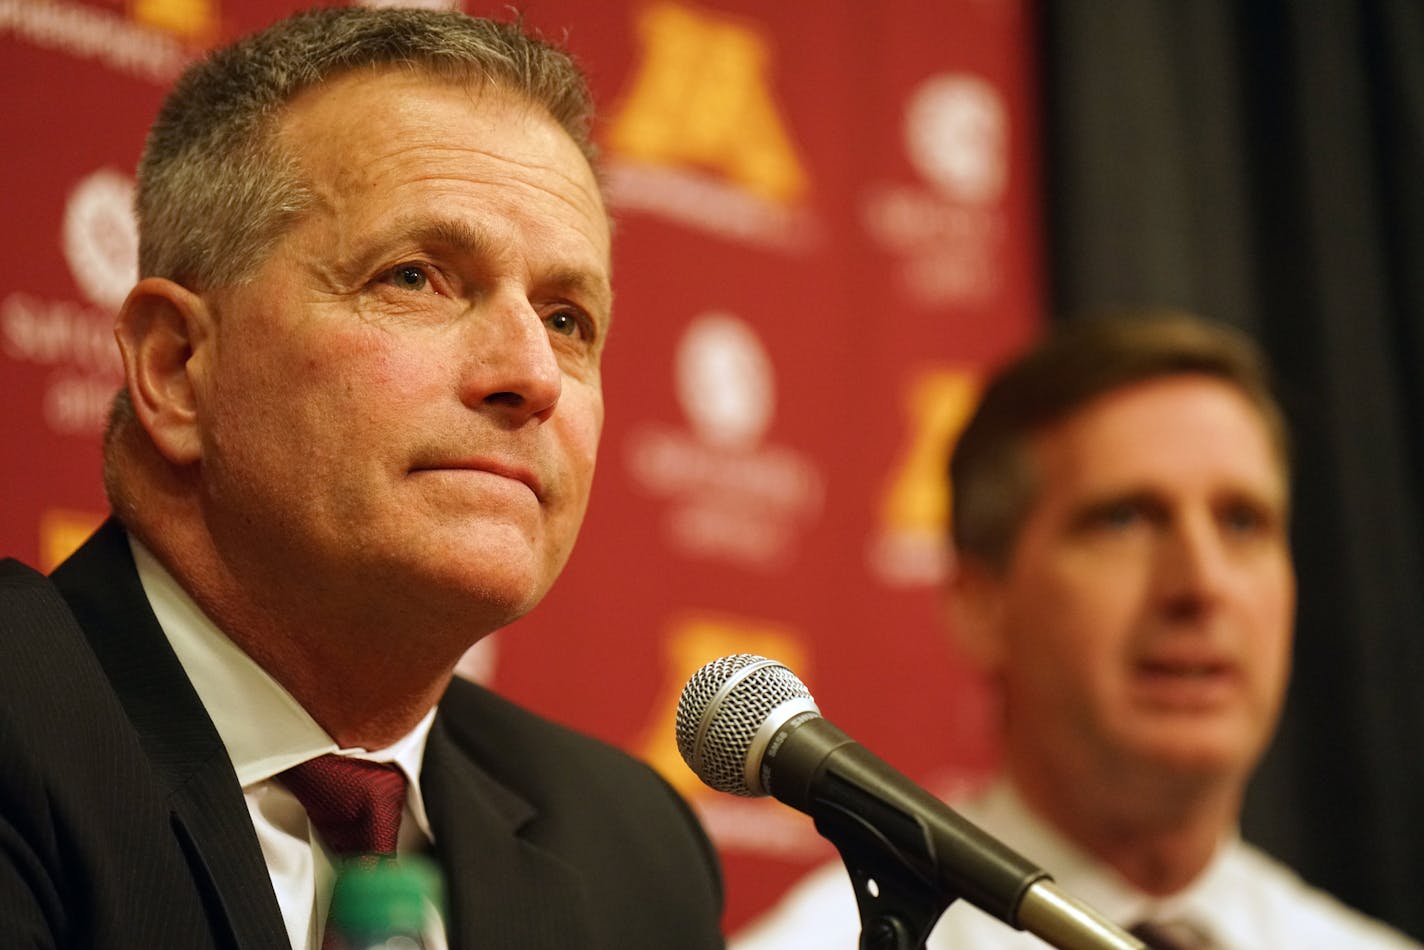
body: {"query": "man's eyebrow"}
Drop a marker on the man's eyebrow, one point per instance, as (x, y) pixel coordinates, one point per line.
(455, 235)
(468, 240)
(582, 284)
(1099, 503)
(459, 236)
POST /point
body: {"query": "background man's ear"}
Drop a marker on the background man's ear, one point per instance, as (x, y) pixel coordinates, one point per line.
(163, 330)
(972, 606)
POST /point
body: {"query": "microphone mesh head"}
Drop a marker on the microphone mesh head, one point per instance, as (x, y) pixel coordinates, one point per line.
(722, 707)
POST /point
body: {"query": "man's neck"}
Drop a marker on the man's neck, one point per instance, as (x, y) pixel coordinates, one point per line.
(365, 703)
(1158, 832)
(366, 680)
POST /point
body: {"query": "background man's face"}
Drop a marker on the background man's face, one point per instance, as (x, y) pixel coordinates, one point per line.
(1147, 610)
(403, 406)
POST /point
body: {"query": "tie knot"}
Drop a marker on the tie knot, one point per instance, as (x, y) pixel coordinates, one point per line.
(355, 805)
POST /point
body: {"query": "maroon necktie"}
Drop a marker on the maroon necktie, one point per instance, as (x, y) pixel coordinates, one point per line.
(355, 805)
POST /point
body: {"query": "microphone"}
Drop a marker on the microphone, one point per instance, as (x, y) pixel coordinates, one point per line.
(748, 726)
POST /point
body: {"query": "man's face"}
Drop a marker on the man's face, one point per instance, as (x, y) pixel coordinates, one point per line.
(401, 408)
(1145, 617)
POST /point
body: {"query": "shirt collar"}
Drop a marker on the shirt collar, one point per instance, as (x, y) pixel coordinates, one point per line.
(266, 731)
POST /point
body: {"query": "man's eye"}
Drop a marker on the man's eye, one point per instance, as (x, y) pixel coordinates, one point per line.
(1244, 519)
(408, 277)
(1120, 515)
(564, 322)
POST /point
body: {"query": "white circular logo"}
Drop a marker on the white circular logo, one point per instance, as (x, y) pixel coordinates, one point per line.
(956, 135)
(725, 381)
(101, 237)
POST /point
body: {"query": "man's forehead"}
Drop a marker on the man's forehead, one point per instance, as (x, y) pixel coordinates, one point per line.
(361, 92)
(1170, 431)
(479, 87)
(327, 123)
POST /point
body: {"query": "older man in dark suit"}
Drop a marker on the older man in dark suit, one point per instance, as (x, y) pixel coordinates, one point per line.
(358, 431)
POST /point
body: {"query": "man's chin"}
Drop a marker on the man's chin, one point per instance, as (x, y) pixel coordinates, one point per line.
(482, 595)
(1204, 755)
(482, 575)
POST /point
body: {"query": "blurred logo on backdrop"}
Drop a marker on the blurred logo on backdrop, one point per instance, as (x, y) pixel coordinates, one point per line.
(699, 137)
(74, 341)
(194, 20)
(909, 546)
(948, 231)
(730, 494)
(70, 344)
(153, 41)
(760, 826)
(100, 237)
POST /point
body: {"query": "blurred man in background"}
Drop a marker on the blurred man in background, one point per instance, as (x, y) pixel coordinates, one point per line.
(358, 433)
(1122, 574)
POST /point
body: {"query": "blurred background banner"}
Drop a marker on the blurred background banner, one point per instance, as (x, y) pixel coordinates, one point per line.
(830, 221)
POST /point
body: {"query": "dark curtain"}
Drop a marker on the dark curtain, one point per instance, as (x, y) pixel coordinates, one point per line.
(1263, 163)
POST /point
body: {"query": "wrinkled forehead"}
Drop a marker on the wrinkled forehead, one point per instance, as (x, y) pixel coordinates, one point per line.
(336, 133)
(482, 91)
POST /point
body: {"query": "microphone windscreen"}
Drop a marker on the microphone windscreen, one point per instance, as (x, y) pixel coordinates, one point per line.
(721, 710)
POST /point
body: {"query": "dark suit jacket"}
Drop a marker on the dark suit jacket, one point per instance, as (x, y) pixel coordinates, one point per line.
(122, 823)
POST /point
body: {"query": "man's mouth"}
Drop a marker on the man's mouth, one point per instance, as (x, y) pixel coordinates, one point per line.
(496, 467)
(1183, 684)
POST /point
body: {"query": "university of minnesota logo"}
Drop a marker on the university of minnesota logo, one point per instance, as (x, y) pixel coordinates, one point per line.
(699, 136)
(755, 826)
(908, 547)
(194, 21)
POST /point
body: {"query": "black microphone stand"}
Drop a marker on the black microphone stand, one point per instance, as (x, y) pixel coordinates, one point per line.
(898, 906)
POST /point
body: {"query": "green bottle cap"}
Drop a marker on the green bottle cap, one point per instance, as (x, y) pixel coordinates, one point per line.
(380, 896)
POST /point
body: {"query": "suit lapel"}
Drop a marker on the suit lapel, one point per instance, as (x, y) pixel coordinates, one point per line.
(210, 818)
(502, 889)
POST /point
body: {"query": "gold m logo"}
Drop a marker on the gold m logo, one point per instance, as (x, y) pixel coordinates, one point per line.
(702, 97)
(691, 642)
(188, 19)
(939, 404)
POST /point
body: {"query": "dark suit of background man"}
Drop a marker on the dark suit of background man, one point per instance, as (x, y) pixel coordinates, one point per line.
(1123, 577)
(357, 434)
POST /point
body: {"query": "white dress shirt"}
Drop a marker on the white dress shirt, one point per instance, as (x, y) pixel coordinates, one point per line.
(267, 732)
(1244, 900)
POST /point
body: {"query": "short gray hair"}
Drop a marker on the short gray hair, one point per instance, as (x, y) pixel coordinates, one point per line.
(216, 187)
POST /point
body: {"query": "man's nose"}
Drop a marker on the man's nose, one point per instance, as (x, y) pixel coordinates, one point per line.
(512, 366)
(1192, 566)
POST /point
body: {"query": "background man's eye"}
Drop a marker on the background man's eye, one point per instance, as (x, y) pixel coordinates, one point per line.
(1243, 519)
(1120, 516)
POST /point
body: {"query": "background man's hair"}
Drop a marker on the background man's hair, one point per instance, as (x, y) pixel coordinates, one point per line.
(216, 187)
(993, 481)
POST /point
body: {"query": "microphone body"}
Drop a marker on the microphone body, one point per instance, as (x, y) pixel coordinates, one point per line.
(748, 726)
(816, 768)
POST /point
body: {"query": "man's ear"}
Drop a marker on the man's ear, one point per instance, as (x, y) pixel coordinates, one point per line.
(973, 606)
(161, 328)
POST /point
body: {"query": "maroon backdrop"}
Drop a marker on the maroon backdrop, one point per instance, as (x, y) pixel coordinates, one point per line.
(827, 226)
